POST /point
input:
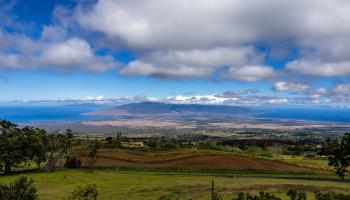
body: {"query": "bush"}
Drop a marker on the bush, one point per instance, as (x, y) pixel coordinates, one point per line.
(72, 162)
(331, 196)
(261, 196)
(85, 192)
(294, 195)
(21, 189)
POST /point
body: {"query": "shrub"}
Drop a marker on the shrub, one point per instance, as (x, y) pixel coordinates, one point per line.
(331, 196)
(261, 196)
(21, 189)
(85, 192)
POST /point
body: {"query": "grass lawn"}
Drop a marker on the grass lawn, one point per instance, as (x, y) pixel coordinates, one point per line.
(152, 185)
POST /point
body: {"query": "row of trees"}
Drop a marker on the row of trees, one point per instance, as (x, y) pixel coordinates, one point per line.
(21, 145)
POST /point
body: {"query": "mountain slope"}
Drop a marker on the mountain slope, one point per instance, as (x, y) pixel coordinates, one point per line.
(149, 108)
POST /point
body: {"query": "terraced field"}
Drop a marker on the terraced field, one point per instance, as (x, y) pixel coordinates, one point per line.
(199, 159)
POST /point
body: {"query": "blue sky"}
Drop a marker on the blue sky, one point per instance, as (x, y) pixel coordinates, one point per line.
(222, 52)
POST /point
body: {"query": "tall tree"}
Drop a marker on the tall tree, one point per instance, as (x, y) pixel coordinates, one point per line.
(340, 155)
(92, 150)
(12, 145)
(37, 141)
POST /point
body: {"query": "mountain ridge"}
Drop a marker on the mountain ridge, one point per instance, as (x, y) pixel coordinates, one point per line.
(152, 108)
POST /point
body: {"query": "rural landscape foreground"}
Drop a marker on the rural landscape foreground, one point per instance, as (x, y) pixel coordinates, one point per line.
(174, 99)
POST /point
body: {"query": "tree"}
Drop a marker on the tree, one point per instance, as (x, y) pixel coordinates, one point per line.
(21, 189)
(37, 141)
(85, 192)
(59, 145)
(92, 150)
(12, 145)
(340, 155)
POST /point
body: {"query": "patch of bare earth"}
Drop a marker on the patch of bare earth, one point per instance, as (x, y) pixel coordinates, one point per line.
(195, 160)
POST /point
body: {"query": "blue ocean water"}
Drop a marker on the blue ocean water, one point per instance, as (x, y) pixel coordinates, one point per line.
(22, 113)
(326, 114)
(38, 113)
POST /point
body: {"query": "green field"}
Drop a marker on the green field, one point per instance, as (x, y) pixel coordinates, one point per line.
(133, 184)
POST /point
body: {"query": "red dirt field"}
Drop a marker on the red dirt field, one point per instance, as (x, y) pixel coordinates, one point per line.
(194, 159)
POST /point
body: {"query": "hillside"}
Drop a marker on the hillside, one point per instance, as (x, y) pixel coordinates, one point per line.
(197, 159)
(156, 108)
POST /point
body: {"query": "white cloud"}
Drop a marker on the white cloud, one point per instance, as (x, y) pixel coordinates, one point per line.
(73, 53)
(319, 68)
(318, 29)
(91, 98)
(282, 86)
(251, 73)
(191, 63)
(207, 23)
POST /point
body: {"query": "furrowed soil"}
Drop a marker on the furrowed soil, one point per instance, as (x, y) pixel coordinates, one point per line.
(196, 159)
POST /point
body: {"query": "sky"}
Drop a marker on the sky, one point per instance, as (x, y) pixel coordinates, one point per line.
(234, 52)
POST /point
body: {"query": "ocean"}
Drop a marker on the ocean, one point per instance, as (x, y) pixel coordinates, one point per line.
(23, 113)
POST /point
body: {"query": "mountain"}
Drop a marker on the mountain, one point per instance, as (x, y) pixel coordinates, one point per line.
(152, 108)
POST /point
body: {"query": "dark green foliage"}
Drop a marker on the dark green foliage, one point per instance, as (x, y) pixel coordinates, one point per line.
(261, 196)
(294, 195)
(85, 192)
(211, 145)
(21, 189)
(330, 145)
(21, 145)
(36, 147)
(12, 144)
(72, 162)
(92, 150)
(331, 196)
(340, 154)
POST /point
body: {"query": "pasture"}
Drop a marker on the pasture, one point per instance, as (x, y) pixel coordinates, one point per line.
(132, 184)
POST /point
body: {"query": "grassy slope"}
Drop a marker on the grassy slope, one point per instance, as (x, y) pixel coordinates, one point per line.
(147, 185)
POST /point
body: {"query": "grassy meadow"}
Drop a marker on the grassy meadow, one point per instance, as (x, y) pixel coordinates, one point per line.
(132, 184)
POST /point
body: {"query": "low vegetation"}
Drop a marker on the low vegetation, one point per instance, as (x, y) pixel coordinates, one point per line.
(168, 167)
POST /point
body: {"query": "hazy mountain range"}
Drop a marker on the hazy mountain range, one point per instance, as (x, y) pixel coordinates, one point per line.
(157, 108)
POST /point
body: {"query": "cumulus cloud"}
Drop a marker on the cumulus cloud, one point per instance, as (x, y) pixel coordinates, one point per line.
(191, 63)
(73, 53)
(282, 86)
(250, 73)
(206, 23)
(319, 68)
(56, 47)
(317, 29)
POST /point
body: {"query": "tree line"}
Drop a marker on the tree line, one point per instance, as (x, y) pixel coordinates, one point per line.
(28, 144)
